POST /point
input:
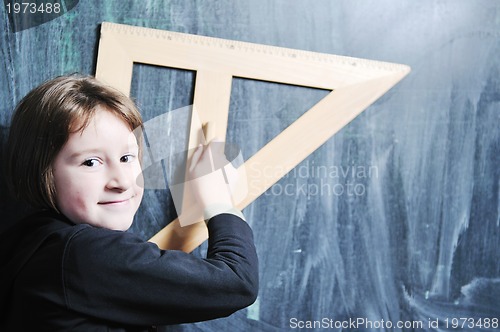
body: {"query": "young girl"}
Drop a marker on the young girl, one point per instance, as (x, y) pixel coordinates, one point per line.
(71, 267)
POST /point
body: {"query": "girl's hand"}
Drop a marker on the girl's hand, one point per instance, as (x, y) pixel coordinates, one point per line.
(212, 175)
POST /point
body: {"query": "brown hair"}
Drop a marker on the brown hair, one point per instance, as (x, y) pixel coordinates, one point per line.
(41, 125)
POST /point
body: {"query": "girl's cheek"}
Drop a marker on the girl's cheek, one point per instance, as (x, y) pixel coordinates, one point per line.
(138, 176)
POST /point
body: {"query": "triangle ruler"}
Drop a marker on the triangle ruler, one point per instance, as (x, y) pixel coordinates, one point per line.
(354, 84)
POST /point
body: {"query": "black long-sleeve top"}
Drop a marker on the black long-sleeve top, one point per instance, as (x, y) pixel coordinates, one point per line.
(57, 276)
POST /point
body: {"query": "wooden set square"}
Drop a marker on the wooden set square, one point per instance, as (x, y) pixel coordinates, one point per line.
(354, 84)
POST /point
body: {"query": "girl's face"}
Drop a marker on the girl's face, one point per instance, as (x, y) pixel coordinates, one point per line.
(97, 174)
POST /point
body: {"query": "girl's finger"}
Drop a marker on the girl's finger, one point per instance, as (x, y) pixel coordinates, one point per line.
(195, 158)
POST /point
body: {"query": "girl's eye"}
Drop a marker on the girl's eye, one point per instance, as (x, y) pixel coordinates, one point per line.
(127, 158)
(91, 163)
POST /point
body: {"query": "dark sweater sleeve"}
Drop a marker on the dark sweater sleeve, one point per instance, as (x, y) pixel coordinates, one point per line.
(118, 277)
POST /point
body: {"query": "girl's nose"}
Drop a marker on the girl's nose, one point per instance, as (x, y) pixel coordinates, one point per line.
(119, 177)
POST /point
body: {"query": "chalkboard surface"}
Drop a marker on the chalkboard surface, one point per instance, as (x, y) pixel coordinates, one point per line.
(393, 224)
